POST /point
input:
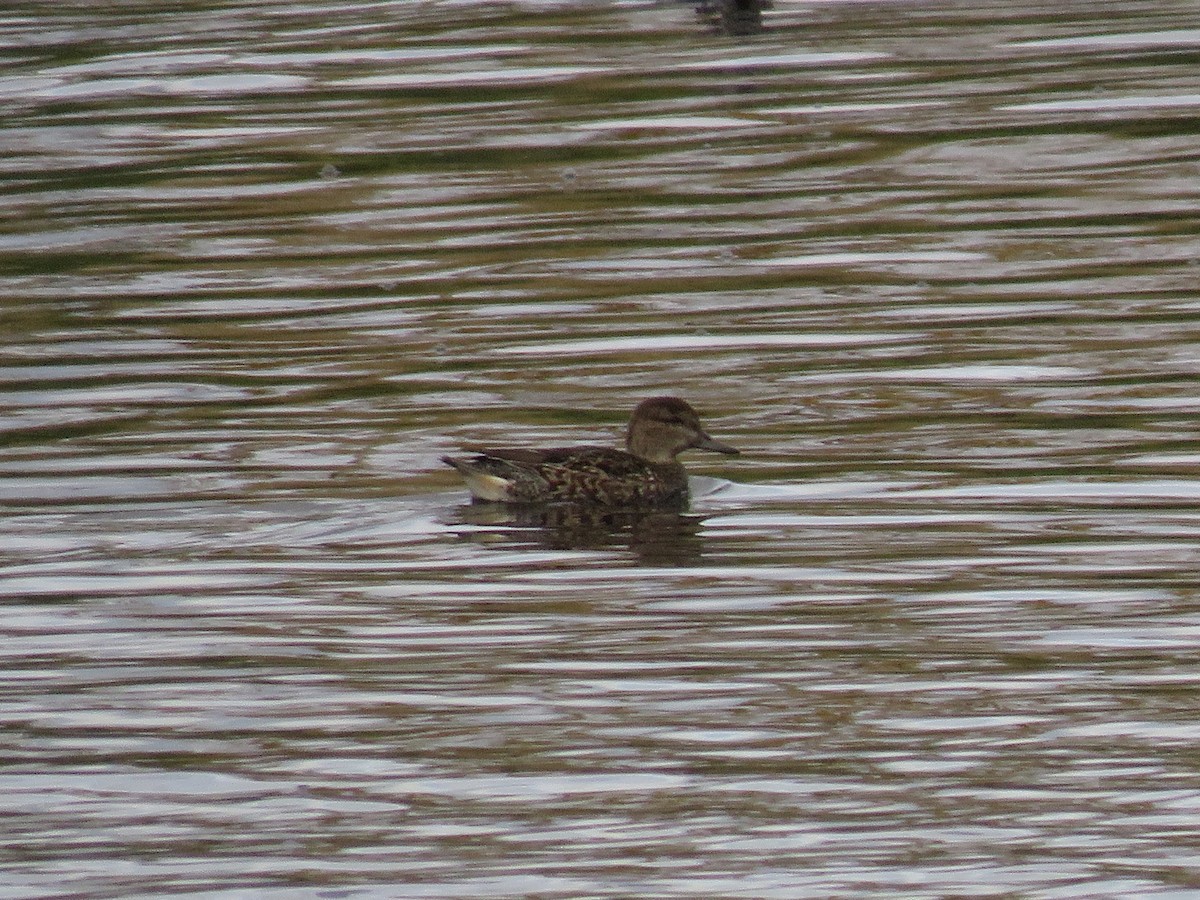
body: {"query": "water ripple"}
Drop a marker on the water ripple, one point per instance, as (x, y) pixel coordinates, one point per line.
(931, 267)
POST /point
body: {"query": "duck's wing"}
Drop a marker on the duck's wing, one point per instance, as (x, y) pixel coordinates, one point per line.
(586, 474)
(561, 468)
(602, 462)
(529, 456)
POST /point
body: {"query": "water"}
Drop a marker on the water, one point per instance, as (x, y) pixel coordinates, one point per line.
(932, 266)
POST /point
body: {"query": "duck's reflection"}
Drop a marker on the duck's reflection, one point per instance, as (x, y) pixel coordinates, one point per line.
(656, 536)
(736, 17)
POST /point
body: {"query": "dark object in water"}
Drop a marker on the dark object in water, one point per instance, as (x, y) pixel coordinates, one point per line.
(733, 16)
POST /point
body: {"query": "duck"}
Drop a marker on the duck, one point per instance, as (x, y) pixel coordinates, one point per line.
(646, 473)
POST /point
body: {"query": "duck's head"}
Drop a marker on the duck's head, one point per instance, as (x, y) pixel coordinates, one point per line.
(663, 427)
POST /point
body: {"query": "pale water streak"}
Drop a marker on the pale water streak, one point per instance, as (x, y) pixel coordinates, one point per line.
(931, 265)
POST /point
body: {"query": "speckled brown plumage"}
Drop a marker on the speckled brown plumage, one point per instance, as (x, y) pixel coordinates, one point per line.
(647, 473)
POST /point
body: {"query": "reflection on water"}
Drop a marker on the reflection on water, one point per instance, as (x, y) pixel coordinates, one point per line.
(655, 536)
(932, 267)
(737, 17)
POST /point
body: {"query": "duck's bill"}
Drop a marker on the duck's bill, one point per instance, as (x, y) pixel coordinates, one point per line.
(707, 443)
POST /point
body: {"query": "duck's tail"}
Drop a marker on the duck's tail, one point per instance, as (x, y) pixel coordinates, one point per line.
(482, 484)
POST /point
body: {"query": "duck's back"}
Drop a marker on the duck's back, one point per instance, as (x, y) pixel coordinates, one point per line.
(598, 475)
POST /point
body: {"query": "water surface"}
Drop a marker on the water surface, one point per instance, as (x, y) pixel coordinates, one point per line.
(932, 266)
